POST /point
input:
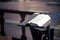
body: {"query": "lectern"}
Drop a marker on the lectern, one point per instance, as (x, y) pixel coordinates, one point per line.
(39, 22)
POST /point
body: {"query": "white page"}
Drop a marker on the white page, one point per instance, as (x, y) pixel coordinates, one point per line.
(41, 20)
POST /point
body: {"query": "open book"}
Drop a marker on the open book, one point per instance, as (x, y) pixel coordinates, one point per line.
(41, 20)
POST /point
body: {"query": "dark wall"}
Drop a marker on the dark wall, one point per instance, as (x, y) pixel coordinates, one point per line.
(7, 0)
(4, 0)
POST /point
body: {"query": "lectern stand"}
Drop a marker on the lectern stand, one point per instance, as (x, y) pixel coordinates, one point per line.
(38, 21)
(46, 32)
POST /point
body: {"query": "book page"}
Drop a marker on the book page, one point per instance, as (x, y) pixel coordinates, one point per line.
(40, 20)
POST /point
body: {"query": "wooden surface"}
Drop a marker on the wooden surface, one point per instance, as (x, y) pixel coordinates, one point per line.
(30, 6)
(5, 38)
